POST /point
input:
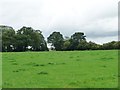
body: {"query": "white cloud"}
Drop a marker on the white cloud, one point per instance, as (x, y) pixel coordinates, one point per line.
(66, 16)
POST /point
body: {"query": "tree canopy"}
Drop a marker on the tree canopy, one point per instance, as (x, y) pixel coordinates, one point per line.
(56, 39)
(22, 39)
(27, 38)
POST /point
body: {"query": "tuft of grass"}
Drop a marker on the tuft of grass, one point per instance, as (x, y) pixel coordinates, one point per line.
(7, 84)
(16, 71)
(104, 66)
(14, 63)
(51, 63)
(107, 58)
(21, 69)
(42, 72)
(39, 65)
(42, 64)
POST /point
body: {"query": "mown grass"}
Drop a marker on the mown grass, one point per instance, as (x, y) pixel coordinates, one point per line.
(65, 69)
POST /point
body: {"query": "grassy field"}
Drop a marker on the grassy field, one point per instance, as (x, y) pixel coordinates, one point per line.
(73, 69)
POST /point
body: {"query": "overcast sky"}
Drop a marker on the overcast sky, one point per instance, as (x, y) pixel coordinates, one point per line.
(98, 19)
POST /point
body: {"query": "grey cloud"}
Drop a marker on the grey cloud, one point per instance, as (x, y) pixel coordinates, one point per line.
(68, 31)
(101, 34)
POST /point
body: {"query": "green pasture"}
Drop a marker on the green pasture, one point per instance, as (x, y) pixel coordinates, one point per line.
(60, 69)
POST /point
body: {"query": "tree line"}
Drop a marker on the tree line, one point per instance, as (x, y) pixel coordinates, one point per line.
(30, 39)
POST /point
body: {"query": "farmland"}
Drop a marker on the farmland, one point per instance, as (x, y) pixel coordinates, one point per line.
(60, 69)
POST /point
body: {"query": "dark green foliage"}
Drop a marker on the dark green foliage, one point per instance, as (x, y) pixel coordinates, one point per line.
(34, 38)
(66, 45)
(93, 46)
(56, 39)
(83, 45)
(111, 45)
(76, 39)
(7, 38)
(22, 39)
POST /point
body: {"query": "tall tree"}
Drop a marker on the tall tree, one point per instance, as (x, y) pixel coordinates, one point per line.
(76, 38)
(27, 36)
(7, 38)
(23, 38)
(38, 41)
(56, 39)
(20, 42)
